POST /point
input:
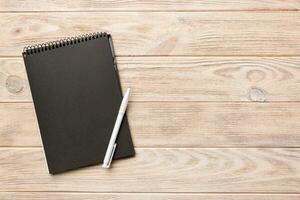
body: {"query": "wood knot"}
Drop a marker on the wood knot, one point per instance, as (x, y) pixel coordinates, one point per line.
(257, 94)
(14, 84)
(17, 30)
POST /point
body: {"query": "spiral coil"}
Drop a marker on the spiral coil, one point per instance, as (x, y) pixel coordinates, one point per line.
(29, 50)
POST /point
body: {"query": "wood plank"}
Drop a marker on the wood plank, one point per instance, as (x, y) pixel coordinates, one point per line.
(161, 170)
(147, 5)
(141, 196)
(185, 79)
(163, 33)
(181, 124)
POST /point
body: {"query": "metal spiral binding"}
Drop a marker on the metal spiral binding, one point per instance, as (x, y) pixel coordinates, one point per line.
(29, 50)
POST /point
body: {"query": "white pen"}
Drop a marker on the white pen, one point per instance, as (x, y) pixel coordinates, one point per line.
(112, 142)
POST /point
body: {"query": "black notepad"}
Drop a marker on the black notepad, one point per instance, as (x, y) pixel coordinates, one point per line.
(76, 93)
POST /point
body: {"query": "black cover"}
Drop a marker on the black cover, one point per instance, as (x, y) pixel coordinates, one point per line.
(76, 93)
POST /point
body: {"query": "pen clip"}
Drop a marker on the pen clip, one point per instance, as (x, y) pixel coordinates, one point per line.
(112, 155)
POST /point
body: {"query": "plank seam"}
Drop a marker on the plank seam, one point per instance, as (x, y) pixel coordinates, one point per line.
(182, 101)
(182, 193)
(174, 147)
(188, 56)
(154, 11)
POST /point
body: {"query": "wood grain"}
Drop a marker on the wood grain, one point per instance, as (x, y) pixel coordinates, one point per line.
(163, 33)
(185, 79)
(161, 170)
(183, 124)
(197, 69)
(141, 196)
(147, 5)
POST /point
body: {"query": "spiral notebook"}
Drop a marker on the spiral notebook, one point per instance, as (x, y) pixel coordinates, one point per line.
(76, 93)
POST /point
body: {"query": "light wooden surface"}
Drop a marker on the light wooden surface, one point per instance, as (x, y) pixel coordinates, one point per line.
(214, 110)
(161, 170)
(178, 124)
(148, 5)
(138, 196)
(162, 33)
(215, 79)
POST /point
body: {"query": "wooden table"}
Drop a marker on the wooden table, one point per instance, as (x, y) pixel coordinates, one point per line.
(214, 110)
